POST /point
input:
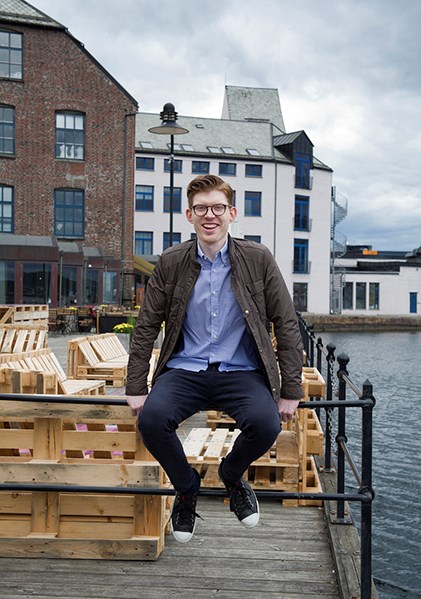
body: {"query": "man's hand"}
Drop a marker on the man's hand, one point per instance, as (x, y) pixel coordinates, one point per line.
(286, 408)
(136, 403)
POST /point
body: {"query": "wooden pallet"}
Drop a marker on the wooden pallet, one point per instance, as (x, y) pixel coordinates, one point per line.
(37, 447)
(24, 314)
(44, 360)
(313, 383)
(98, 357)
(279, 468)
(18, 340)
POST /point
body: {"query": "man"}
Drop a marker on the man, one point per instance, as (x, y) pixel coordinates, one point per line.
(218, 297)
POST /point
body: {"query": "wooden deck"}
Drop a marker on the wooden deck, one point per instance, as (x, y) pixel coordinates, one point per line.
(287, 556)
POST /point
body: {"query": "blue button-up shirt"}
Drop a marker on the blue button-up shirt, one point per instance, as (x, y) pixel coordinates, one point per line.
(214, 329)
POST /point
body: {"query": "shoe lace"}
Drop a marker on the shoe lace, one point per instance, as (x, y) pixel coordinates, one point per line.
(184, 511)
(240, 498)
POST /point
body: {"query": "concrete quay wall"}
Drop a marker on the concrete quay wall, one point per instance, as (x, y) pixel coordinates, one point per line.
(361, 323)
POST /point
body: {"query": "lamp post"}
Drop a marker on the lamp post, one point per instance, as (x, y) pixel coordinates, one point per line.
(169, 127)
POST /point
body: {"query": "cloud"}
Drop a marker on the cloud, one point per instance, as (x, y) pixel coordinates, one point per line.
(347, 72)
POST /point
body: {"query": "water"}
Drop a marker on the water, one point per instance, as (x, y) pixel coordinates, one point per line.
(391, 361)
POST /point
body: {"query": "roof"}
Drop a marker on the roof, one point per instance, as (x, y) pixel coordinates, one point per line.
(19, 11)
(206, 132)
(253, 103)
(23, 13)
(27, 240)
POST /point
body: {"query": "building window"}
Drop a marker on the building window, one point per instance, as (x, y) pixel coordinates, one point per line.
(253, 152)
(301, 255)
(145, 164)
(7, 130)
(7, 282)
(178, 166)
(228, 168)
(109, 288)
(374, 296)
(69, 213)
(36, 282)
(227, 150)
(300, 292)
(256, 238)
(200, 167)
(11, 55)
(70, 135)
(144, 198)
(143, 243)
(176, 239)
(6, 209)
(176, 199)
(214, 150)
(302, 170)
(360, 296)
(348, 296)
(252, 203)
(301, 213)
(254, 170)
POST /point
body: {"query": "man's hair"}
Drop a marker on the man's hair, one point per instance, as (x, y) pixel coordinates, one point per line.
(207, 183)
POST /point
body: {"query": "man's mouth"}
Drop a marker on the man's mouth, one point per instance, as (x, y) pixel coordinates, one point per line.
(210, 227)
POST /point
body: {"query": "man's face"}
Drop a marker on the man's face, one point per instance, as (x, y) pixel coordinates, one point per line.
(211, 230)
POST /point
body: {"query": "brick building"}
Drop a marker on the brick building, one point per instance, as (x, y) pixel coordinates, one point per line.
(66, 167)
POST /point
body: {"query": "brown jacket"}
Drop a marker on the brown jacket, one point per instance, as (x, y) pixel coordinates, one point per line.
(261, 293)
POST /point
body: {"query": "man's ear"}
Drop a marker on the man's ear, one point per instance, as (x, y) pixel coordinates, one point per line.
(189, 215)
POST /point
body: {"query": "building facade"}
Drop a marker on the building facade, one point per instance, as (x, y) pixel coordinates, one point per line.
(66, 167)
(380, 282)
(282, 191)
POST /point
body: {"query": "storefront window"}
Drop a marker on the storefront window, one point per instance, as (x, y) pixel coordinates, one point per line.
(68, 286)
(110, 288)
(7, 283)
(36, 283)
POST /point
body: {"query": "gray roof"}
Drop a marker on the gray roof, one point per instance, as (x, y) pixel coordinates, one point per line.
(27, 240)
(253, 103)
(19, 11)
(205, 133)
(288, 138)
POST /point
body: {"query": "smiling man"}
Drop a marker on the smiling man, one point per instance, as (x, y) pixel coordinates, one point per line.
(218, 297)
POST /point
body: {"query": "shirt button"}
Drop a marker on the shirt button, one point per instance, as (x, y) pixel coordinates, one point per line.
(246, 312)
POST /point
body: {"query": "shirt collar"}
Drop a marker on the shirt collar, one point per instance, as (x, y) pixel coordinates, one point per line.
(223, 253)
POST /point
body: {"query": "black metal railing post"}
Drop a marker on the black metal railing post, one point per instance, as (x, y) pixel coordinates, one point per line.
(330, 358)
(367, 489)
(311, 338)
(319, 347)
(343, 360)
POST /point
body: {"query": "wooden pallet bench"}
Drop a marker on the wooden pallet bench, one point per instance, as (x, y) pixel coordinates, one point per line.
(18, 340)
(44, 360)
(79, 445)
(24, 314)
(98, 357)
(282, 467)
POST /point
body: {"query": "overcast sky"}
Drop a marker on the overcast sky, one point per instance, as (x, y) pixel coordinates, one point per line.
(347, 72)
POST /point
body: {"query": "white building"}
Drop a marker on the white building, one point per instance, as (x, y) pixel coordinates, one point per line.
(282, 191)
(376, 282)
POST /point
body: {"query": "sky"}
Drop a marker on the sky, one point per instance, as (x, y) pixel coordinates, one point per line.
(347, 72)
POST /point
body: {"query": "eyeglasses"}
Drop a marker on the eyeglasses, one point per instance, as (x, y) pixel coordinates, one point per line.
(217, 209)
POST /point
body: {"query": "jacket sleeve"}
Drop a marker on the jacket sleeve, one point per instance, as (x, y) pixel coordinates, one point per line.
(281, 312)
(148, 325)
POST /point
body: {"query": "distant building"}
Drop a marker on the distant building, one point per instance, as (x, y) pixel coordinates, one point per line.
(66, 167)
(282, 191)
(380, 282)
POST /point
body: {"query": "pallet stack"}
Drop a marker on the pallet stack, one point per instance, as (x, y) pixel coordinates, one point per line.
(288, 466)
(28, 316)
(81, 445)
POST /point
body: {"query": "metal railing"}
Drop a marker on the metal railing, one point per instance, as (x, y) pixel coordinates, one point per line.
(316, 354)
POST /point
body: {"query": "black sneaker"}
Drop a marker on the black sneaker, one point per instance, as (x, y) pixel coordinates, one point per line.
(183, 517)
(243, 502)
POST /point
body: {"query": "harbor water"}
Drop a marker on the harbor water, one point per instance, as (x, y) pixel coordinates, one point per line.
(391, 361)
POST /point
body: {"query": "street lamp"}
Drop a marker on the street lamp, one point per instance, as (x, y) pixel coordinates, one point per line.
(169, 127)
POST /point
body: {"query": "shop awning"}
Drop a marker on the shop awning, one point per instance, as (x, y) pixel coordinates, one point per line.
(142, 265)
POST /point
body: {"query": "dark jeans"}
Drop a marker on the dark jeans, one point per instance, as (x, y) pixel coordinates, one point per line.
(178, 394)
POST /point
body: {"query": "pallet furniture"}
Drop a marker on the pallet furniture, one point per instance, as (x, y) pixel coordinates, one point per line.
(17, 340)
(24, 314)
(80, 445)
(98, 357)
(283, 467)
(44, 360)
